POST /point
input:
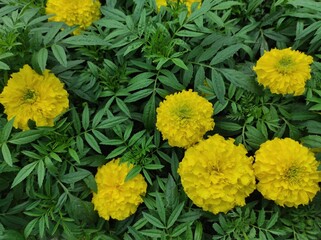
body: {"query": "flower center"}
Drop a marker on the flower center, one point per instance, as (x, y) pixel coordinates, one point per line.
(292, 174)
(285, 65)
(30, 96)
(184, 113)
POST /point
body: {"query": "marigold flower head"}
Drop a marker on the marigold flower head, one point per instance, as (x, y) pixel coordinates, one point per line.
(287, 172)
(80, 13)
(284, 71)
(31, 96)
(183, 118)
(216, 174)
(187, 3)
(116, 198)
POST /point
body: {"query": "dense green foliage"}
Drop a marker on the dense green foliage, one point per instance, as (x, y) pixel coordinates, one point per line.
(116, 74)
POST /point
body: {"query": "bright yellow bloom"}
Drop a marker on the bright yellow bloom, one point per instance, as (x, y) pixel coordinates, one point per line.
(116, 198)
(80, 13)
(287, 172)
(31, 96)
(284, 71)
(187, 3)
(217, 175)
(183, 118)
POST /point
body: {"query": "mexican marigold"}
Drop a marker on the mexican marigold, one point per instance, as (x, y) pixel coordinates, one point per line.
(216, 174)
(31, 96)
(287, 172)
(284, 71)
(184, 117)
(116, 198)
(80, 13)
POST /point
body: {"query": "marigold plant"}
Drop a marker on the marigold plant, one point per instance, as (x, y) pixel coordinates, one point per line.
(184, 117)
(115, 197)
(216, 174)
(284, 71)
(287, 172)
(31, 96)
(187, 3)
(80, 13)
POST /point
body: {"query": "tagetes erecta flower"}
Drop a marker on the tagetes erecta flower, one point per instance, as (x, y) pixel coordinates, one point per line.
(116, 198)
(183, 118)
(187, 3)
(284, 71)
(80, 13)
(287, 172)
(31, 96)
(217, 175)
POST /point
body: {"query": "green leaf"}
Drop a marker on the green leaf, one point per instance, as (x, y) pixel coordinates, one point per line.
(226, 5)
(133, 172)
(218, 86)
(42, 57)
(178, 62)
(198, 234)
(75, 176)
(6, 154)
(178, 230)
(85, 117)
(122, 106)
(153, 233)
(24, 173)
(60, 54)
(92, 142)
(4, 66)
(239, 79)
(272, 221)
(175, 214)
(85, 40)
(160, 207)
(313, 141)
(261, 218)
(30, 226)
(73, 154)
(111, 122)
(41, 171)
(225, 54)
(149, 113)
(153, 220)
(171, 82)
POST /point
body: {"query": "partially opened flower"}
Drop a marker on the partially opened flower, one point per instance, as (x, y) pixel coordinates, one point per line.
(183, 118)
(31, 96)
(216, 174)
(287, 172)
(284, 71)
(80, 13)
(116, 198)
(187, 3)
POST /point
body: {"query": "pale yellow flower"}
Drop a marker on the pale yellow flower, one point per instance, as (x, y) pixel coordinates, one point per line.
(31, 96)
(287, 172)
(216, 174)
(183, 118)
(187, 3)
(80, 13)
(284, 71)
(116, 198)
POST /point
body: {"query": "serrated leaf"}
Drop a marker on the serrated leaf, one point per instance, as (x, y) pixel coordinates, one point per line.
(133, 172)
(149, 113)
(218, 86)
(175, 214)
(84, 40)
(6, 154)
(24, 173)
(261, 218)
(4, 66)
(178, 62)
(160, 207)
(225, 54)
(92, 142)
(111, 122)
(41, 171)
(153, 220)
(272, 221)
(75, 176)
(42, 57)
(85, 117)
(60, 54)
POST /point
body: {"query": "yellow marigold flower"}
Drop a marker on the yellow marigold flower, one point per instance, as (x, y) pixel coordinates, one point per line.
(80, 13)
(284, 71)
(216, 174)
(287, 172)
(116, 198)
(31, 96)
(187, 3)
(183, 118)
